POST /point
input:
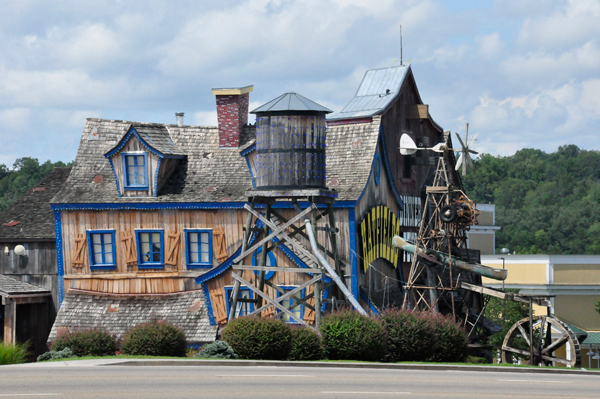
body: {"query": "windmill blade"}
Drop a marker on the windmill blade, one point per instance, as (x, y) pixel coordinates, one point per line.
(468, 158)
(474, 138)
(466, 133)
(472, 152)
(460, 161)
(459, 139)
(407, 145)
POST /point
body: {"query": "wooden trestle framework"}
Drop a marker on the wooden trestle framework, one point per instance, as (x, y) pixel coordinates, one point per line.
(285, 233)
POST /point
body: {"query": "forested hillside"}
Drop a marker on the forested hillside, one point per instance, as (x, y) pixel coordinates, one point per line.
(545, 203)
(26, 172)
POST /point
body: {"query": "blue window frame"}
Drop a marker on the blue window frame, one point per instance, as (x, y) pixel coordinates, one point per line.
(199, 248)
(135, 171)
(151, 249)
(295, 307)
(101, 246)
(270, 262)
(242, 308)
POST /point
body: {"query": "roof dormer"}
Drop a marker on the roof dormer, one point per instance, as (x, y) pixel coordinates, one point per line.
(143, 160)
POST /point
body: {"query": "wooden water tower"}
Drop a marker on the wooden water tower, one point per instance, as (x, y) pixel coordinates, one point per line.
(290, 167)
(291, 138)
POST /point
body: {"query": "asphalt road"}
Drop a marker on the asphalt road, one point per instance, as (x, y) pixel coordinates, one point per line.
(282, 382)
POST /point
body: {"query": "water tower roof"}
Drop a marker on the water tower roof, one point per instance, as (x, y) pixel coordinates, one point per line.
(291, 102)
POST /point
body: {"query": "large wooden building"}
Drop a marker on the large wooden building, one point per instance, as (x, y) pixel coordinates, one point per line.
(152, 216)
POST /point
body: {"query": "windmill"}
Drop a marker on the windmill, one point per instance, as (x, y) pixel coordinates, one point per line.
(465, 152)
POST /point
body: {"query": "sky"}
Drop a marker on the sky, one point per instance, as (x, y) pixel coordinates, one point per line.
(524, 74)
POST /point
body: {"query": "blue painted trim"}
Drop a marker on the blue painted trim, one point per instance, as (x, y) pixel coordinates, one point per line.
(59, 257)
(353, 252)
(150, 265)
(227, 264)
(155, 194)
(112, 166)
(199, 265)
(242, 288)
(184, 205)
(272, 260)
(124, 140)
(302, 294)
(365, 298)
(377, 168)
(248, 150)
(127, 186)
(208, 302)
(250, 170)
(387, 169)
(101, 266)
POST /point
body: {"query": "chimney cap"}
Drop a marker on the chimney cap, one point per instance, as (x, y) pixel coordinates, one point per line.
(228, 91)
(179, 113)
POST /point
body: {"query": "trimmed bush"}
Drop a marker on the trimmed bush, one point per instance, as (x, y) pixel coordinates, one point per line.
(348, 335)
(52, 355)
(13, 354)
(450, 342)
(306, 344)
(154, 339)
(217, 350)
(256, 338)
(87, 343)
(410, 335)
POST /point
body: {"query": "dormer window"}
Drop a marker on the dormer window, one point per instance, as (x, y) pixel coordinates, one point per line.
(135, 171)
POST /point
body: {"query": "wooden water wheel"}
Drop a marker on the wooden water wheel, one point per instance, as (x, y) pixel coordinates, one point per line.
(546, 336)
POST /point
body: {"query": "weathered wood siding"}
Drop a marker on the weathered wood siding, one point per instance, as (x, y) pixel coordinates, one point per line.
(37, 267)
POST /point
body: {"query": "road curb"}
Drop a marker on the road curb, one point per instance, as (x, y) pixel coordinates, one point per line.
(357, 365)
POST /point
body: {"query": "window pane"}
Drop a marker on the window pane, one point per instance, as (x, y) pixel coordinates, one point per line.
(96, 238)
(193, 238)
(107, 238)
(156, 239)
(205, 257)
(204, 248)
(156, 257)
(97, 258)
(109, 258)
(107, 248)
(140, 160)
(145, 251)
(204, 237)
(140, 173)
(194, 257)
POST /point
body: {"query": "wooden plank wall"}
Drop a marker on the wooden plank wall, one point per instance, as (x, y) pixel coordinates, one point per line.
(134, 145)
(127, 279)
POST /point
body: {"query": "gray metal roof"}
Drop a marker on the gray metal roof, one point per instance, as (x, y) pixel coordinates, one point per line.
(291, 102)
(377, 90)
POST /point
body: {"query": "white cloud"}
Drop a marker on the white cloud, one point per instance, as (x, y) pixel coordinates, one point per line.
(14, 118)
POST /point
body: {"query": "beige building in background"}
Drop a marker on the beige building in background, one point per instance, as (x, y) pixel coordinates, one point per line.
(571, 281)
(483, 235)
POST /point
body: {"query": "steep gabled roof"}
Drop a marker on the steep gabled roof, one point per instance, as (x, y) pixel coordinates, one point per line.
(32, 211)
(152, 135)
(378, 89)
(291, 102)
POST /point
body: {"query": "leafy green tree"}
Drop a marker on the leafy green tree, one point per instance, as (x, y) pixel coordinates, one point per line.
(545, 203)
(504, 313)
(26, 172)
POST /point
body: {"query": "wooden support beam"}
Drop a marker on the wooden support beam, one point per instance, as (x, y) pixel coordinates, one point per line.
(503, 295)
(302, 301)
(283, 235)
(277, 230)
(278, 269)
(271, 302)
(10, 321)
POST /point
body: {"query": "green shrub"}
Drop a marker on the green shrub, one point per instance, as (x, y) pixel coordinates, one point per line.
(409, 335)
(87, 343)
(348, 335)
(450, 340)
(476, 360)
(52, 355)
(154, 339)
(306, 344)
(256, 338)
(217, 350)
(13, 353)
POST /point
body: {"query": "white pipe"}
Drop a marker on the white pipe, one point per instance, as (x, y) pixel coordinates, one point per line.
(332, 273)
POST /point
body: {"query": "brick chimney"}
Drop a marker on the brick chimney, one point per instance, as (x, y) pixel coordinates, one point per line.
(232, 113)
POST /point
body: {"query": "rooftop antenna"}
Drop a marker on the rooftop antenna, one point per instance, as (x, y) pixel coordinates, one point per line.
(401, 45)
